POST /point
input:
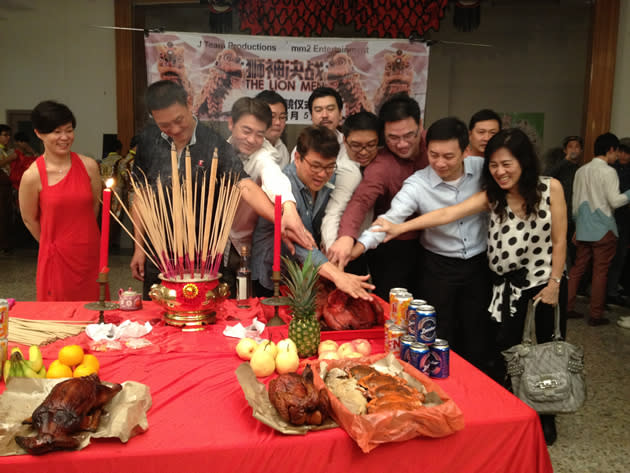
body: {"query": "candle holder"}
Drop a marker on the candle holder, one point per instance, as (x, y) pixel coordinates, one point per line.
(276, 301)
(101, 305)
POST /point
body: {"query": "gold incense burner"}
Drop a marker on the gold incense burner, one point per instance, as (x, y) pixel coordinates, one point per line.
(190, 303)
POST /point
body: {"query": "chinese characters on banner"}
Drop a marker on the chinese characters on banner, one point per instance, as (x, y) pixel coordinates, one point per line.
(216, 70)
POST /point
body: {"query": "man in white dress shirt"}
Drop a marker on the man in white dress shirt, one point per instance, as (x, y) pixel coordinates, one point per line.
(250, 119)
(278, 107)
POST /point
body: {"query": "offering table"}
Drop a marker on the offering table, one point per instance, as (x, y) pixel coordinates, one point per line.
(201, 422)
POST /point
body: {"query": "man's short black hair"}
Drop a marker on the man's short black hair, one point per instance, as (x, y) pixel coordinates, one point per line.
(482, 116)
(604, 142)
(49, 115)
(5, 128)
(271, 97)
(361, 121)
(319, 139)
(449, 128)
(164, 93)
(249, 106)
(399, 107)
(134, 141)
(570, 138)
(324, 92)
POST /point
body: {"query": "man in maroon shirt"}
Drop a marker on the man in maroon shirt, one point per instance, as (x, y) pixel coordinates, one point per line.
(393, 264)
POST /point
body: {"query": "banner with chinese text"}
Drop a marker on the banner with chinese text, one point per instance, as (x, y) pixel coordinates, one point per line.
(216, 70)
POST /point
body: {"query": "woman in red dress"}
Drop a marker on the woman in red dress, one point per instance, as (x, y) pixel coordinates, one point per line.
(59, 205)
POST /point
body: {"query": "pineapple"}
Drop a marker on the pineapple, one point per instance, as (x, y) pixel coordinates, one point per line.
(302, 284)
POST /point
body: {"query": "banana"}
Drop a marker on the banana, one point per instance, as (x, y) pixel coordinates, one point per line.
(42, 372)
(17, 364)
(35, 357)
(6, 369)
(16, 349)
(16, 370)
(28, 370)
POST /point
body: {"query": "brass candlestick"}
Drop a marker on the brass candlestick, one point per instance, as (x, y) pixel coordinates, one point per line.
(102, 305)
(275, 301)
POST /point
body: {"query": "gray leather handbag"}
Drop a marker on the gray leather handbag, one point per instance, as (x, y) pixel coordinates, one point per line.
(549, 377)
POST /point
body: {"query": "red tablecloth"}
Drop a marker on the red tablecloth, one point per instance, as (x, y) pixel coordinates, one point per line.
(201, 422)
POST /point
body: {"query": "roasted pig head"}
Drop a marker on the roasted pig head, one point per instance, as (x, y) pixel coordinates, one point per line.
(72, 406)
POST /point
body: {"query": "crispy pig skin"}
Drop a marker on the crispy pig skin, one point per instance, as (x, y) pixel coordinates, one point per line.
(296, 400)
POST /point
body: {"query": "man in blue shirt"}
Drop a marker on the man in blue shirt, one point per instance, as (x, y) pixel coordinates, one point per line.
(312, 177)
(454, 277)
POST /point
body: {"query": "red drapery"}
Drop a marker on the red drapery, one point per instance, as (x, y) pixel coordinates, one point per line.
(383, 18)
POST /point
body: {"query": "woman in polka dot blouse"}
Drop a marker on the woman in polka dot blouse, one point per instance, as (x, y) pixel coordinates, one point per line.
(526, 236)
(528, 220)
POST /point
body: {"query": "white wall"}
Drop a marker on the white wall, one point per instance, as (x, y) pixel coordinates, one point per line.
(537, 63)
(52, 52)
(620, 119)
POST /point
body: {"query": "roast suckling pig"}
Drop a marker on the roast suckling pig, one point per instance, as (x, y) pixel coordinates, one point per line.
(340, 311)
(297, 401)
(73, 405)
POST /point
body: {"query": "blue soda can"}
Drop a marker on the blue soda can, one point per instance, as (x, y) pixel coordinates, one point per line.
(418, 354)
(405, 344)
(426, 324)
(412, 315)
(440, 359)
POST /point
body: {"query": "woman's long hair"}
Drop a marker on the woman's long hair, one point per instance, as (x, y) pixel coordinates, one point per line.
(519, 145)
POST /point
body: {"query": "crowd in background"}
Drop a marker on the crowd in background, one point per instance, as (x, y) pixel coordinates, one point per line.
(460, 214)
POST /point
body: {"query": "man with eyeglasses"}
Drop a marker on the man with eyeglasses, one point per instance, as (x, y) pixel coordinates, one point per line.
(249, 121)
(312, 177)
(455, 275)
(325, 105)
(361, 137)
(278, 107)
(393, 264)
(174, 124)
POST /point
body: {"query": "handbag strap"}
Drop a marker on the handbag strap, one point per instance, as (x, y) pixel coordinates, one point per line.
(529, 330)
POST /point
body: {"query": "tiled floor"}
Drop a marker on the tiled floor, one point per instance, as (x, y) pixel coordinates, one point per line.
(594, 440)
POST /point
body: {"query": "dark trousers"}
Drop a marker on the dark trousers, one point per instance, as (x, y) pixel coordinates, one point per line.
(510, 330)
(602, 253)
(459, 290)
(395, 264)
(619, 261)
(151, 273)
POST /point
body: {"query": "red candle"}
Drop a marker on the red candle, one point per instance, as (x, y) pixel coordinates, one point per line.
(107, 203)
(277, 221)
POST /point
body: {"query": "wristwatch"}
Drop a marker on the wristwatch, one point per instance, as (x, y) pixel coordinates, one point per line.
(558, 280)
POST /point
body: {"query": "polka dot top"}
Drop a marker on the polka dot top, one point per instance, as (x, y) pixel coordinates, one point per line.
(519, 251)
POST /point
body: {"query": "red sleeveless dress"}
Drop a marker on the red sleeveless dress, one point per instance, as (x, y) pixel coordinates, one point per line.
(67, 266)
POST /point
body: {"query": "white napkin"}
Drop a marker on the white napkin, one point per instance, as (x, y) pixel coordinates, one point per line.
(127, 329)
(238, 331)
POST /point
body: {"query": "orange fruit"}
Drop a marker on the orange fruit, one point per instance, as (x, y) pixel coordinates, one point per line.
(83, 370)
(71, 355)
(58, 370)
(92, 361)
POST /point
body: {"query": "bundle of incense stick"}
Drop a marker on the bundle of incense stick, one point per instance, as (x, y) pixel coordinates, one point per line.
(185, 231)
(42, 332)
